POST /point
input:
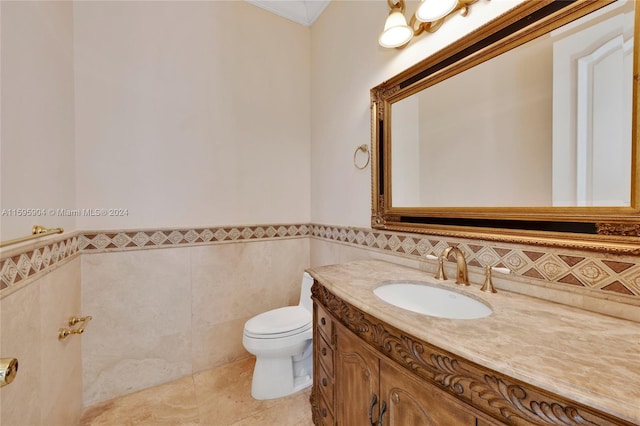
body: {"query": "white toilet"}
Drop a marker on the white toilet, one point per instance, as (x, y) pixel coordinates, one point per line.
(281, 340)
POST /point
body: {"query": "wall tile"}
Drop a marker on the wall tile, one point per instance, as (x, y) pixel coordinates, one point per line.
(217, 344)
(20, 338)
(61, 380)
(140, 333)
(325, 252)
(233, 282)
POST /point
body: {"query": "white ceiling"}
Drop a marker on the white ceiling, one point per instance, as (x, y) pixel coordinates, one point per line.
(301, 11)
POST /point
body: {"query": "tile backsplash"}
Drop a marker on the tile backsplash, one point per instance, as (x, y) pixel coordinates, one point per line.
(599, 273)
(610, 274)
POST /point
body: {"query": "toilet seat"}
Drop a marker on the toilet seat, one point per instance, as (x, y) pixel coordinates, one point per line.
(302, 331)
(278, 323)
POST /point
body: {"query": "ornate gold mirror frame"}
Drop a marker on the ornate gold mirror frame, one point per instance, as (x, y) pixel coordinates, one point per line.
(607, 229)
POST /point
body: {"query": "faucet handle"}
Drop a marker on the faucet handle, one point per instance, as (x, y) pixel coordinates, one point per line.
(506, 271)
(440, 274)
(488, 282)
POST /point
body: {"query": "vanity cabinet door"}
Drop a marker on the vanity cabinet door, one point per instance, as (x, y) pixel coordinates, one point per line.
(357, 381)
(412, 401)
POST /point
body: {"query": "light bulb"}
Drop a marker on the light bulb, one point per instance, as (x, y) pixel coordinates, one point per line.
(432, 10)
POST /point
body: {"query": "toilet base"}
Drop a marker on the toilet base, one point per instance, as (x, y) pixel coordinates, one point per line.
(275, 377)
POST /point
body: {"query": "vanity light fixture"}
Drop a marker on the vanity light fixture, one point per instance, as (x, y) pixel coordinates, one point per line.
(430, 15)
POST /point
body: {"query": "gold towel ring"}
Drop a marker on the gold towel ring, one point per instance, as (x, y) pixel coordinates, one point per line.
(364, 148)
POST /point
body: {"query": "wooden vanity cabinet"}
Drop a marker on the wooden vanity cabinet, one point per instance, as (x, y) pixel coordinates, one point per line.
(371, 390)
(354, 385)
(367, 372)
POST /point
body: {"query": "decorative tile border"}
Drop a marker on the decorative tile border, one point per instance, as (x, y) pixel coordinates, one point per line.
(21, 266)
(101, 240)
(610, 275)
(18, 266)
(607, 274)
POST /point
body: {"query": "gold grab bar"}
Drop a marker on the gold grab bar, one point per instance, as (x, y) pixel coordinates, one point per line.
(64, 332)
(36, 232)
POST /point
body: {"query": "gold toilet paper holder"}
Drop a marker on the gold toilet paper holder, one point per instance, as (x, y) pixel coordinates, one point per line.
(64, 332)
(8, 370)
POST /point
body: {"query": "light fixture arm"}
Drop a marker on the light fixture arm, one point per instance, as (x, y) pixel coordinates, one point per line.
(397, 5)
(429, 27)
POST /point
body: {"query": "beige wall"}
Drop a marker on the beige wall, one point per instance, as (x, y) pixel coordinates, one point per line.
(347, 62)
(37, 156)
(181, 113)
(191, 114)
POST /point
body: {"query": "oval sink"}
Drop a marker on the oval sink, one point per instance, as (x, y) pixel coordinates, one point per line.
(433, 301)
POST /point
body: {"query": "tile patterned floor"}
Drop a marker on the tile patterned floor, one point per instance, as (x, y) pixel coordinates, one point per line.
(217, 397)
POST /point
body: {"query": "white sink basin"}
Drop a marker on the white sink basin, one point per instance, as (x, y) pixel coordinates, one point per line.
(431, 300)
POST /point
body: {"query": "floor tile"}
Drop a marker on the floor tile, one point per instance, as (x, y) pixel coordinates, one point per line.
(217, 397)
(170, 403)
(292, 411)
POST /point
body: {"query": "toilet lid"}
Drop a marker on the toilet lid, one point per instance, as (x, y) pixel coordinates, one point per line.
(279, 321)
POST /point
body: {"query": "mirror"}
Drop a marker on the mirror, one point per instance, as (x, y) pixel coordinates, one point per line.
(526, 125)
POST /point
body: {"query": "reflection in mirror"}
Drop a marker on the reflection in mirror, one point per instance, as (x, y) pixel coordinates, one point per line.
(547, 124)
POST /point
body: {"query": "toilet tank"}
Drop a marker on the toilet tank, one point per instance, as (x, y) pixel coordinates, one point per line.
(305, 292)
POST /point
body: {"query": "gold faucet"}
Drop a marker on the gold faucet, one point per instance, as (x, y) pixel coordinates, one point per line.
(462, 277)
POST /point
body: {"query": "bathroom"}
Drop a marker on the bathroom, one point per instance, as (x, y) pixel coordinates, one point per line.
(211, 146)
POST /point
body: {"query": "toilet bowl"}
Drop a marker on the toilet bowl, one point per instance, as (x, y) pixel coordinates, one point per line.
(281, 340)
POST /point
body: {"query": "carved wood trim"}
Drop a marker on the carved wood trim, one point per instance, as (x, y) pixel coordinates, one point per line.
(618, 246)
(377, 218)
(619, 229)
(315, 407)
(501, 397)
(380, 93)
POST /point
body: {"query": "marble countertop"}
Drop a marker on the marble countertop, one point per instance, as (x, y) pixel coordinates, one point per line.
(588, 357)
